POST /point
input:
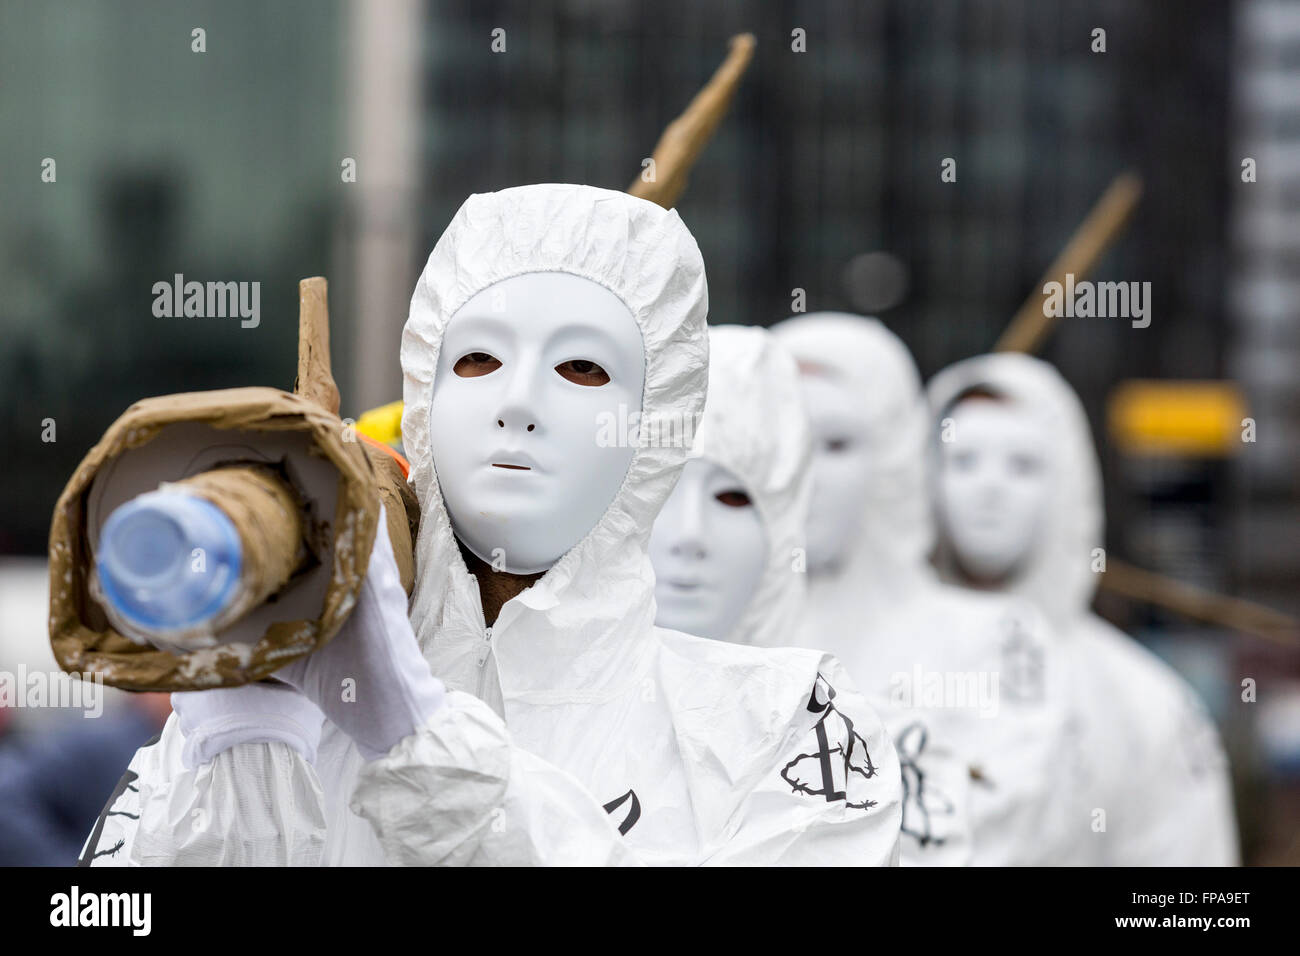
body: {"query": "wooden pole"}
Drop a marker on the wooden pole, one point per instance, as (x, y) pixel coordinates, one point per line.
(1096, 234)
(1201, 605)
(685, 137)
(316, 382)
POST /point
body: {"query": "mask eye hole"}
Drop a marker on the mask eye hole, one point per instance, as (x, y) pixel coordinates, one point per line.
(583, 372)
(475, 364)
(735, 498)
(837, 446)
(963, 460)
(1025, 465)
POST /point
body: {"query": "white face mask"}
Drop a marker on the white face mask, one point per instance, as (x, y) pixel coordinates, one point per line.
(708, 551)
(994, 482)
(841, 470)
(527, 368)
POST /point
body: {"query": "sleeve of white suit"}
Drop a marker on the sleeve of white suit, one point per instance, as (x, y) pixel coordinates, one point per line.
(458, 793)
(253, 804)
(833, 797)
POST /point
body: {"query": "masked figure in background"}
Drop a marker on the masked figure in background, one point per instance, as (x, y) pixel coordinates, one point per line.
(729, 559)
(977, 667)
(555, 361)
(1020, 504)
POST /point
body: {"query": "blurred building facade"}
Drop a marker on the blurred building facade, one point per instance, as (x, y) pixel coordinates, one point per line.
(220, 165)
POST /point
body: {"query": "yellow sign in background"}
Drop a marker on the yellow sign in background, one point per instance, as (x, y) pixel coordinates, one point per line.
(1177, 418)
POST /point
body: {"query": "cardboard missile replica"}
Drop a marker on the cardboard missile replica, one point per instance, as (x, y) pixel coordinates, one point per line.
(298, 494)
(210, 538)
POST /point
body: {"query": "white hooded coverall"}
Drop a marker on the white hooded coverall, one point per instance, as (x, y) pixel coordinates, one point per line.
(574, 730)
(1150, 755)
(928, 648)
(754, 425)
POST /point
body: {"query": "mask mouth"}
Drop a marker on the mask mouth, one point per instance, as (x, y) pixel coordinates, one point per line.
(987, 519)
(683, 585)
(512, 460)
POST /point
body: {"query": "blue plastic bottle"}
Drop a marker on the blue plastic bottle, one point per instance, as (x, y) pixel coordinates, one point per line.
(168, 561)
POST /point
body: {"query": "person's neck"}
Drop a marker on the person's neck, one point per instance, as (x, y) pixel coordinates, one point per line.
(495, 587)
(981, 582)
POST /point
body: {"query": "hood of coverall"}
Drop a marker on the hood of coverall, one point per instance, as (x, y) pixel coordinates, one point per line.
(754, 426)
(1057, 572)
(576, 629)
(887, 560)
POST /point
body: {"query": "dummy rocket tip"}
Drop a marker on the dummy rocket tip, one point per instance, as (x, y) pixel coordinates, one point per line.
(315, 379)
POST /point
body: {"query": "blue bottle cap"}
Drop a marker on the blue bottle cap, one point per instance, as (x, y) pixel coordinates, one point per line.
(168, 561)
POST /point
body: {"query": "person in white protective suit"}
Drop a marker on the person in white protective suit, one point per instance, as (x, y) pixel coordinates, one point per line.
(729, 558)
(978, 667)
(555, 366)
(1020, 501)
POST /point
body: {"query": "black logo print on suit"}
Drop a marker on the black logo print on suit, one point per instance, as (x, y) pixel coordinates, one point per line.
(1023, 678)
(922, 801)
(633, 810)
(840, 763)
(91, 851)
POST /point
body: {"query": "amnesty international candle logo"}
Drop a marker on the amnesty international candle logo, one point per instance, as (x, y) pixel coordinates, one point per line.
(839, 766)
(1023, 676)
(924, 805)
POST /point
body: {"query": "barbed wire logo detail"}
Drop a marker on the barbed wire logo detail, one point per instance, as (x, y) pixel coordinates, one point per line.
(840, 764)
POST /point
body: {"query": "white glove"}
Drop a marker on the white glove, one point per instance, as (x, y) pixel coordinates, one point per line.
(371, 680)
(216, 720)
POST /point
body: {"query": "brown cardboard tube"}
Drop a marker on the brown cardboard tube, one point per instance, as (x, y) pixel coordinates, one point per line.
(267, 515)
(84, 642)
